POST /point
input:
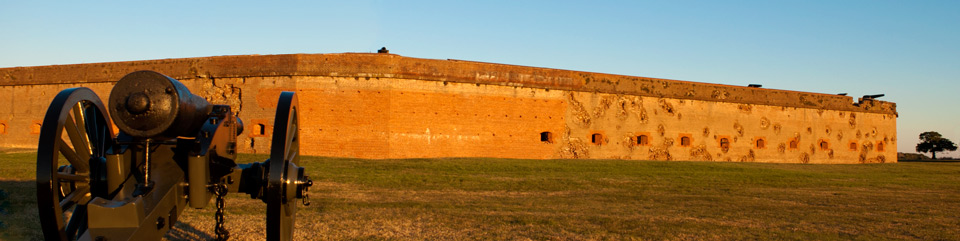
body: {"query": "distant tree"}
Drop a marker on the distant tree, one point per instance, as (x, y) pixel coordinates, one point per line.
(933, 142)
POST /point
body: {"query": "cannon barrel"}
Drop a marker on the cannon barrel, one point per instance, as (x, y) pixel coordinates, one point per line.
(873, 96)
(147, 104)
(136, 183)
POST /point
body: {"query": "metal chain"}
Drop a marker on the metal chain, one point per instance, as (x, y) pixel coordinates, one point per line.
(222, 234)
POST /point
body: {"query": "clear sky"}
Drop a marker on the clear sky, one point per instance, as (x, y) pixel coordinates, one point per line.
(908, 50)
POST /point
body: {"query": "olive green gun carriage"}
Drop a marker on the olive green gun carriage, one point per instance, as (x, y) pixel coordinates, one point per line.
(174, 150)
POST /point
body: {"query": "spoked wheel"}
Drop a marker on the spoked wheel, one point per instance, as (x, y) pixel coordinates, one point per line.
(285, 180)
(70, 162)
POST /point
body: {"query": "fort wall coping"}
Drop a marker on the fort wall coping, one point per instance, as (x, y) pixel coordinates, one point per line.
(369, 65)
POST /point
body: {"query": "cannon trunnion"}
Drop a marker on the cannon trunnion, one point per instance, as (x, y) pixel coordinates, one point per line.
(174, 150)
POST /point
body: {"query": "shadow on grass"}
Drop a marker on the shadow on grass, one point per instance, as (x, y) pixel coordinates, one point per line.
(19, 216)
(4, 205)
(185, 231)
(20, 220)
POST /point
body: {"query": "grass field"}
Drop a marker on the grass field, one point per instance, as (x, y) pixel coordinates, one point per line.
(497, 199)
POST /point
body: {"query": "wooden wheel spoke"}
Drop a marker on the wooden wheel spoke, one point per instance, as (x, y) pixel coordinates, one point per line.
(291, 155)
(73, 177)
(288, 146)
(78, 221)
(292, 147)
(79, 164)
(74, 197)
(80, 142)
(97, 131)
(93, 131)
(292, 152)
(66, 203)
(67, 206)
(80, 117)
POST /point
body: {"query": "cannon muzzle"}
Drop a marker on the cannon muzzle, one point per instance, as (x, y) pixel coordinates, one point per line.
(147, 104)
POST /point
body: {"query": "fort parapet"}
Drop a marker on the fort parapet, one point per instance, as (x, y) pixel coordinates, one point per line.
(389, 106)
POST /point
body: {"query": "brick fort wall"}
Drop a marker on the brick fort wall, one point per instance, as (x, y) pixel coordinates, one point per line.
(389, 106)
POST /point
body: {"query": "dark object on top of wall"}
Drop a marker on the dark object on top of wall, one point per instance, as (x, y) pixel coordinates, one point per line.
(873, 96)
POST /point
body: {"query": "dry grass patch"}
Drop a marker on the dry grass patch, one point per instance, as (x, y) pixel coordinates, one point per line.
(493, 199)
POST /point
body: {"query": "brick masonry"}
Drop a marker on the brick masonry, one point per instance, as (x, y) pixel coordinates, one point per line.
(389, 106)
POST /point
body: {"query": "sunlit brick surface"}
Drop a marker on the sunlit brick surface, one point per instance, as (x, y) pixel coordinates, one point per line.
(388, 106)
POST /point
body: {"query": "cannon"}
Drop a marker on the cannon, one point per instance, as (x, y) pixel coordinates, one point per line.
(173, 150)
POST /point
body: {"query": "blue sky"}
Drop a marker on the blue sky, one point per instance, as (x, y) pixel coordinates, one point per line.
(908, 50)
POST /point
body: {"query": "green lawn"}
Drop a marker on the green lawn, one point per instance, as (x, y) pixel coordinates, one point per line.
(494, 199)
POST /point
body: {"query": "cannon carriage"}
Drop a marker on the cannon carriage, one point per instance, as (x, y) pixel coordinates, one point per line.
(173, 150)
